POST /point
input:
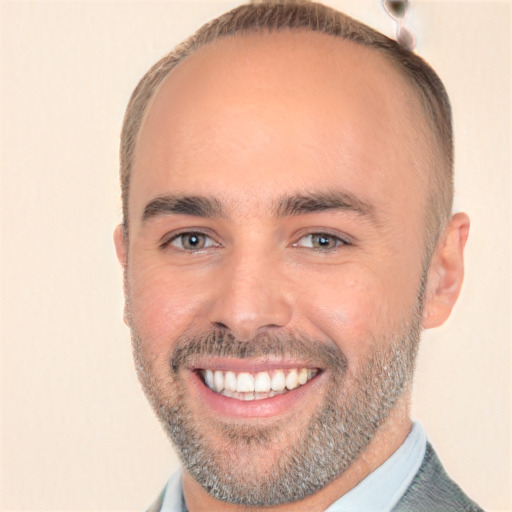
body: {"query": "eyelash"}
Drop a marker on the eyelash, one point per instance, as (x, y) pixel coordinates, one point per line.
(210, 242)
(338, 241)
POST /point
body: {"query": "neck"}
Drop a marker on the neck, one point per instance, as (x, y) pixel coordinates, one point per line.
(388, 438)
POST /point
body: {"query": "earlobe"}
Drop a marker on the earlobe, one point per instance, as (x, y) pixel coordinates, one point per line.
(446, 272)
(120, 244)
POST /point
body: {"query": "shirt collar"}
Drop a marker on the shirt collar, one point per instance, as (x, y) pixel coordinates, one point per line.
(380, 491)
(173, 497)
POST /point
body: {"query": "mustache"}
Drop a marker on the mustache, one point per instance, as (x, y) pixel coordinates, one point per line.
(220, 342)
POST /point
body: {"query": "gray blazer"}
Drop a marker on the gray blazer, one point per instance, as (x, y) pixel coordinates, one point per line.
(431, 490)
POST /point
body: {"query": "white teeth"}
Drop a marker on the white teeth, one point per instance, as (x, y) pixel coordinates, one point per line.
(218, 381)
(230, 381)
(262, 382)
(278, 381)
(257, 386)
(208, 377)
(292, 380)
(245, 383)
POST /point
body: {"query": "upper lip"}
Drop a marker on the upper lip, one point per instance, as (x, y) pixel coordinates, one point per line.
(251, 365)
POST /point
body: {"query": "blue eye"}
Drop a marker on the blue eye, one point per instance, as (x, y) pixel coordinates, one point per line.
(322, 241)
(191, 241)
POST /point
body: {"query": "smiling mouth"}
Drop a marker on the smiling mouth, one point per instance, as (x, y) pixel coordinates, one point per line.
(256, 385)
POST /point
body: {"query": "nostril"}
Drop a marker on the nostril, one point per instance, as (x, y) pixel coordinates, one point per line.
(220, 325)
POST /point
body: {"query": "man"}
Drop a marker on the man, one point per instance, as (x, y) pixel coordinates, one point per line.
(287, 193)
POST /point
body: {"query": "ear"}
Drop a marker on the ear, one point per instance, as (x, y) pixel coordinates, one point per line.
(121, 251)
(446, 272)
(120, 244)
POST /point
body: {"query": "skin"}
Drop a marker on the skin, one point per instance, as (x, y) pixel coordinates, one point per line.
(250, 120)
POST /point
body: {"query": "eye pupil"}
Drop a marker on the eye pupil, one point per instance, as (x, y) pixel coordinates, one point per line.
(323, 241)
(192, 241)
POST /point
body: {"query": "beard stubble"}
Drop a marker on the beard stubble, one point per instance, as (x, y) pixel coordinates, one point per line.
(231, 460)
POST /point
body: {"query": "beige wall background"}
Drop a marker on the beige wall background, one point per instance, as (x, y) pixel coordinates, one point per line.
(76, 432)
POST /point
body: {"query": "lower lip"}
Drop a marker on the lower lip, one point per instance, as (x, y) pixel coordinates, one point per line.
(263, 408)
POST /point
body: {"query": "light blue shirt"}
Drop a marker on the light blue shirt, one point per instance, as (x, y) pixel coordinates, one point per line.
(380, 491)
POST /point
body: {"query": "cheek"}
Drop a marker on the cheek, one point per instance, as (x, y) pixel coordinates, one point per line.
(162, 303)
(355, 307)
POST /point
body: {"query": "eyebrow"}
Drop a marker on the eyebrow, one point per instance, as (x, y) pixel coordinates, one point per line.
(323, 201)
(198, 206)
(300, 204)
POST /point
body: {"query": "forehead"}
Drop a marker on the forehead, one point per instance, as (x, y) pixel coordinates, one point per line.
(272, 107)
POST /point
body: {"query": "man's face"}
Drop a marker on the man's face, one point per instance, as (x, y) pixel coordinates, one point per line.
(275, 259)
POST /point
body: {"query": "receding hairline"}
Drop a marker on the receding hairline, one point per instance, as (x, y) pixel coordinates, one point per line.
(408, 96)
(303, 16)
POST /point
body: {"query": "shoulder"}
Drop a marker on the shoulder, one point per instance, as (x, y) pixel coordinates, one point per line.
(171, 498)
(432, 490)
(157, 504)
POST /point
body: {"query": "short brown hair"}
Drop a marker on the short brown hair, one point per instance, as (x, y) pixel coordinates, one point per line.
(276, 15)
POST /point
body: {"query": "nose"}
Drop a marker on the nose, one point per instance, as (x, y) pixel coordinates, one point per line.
(250, 296)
